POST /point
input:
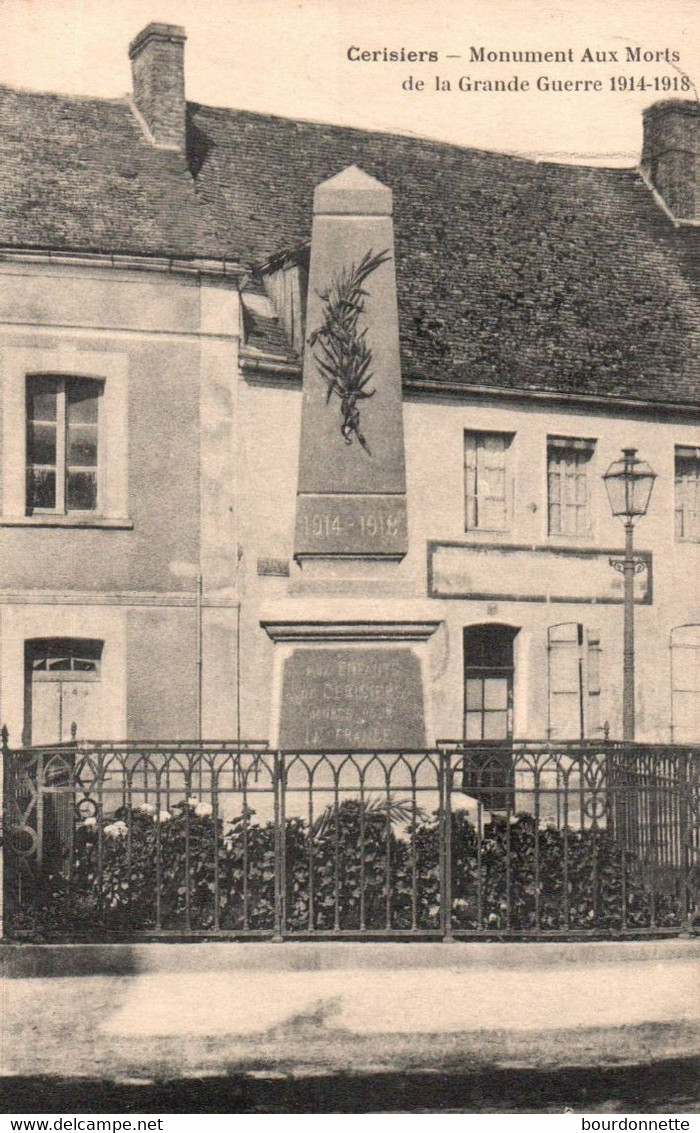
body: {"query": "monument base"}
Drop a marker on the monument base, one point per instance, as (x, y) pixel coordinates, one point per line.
(352, 698)
(350, 685)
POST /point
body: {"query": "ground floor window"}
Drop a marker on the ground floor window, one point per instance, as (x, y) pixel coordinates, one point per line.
(488, 714)
(488, 682)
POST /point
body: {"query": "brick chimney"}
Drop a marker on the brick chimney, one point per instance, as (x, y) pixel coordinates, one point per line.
(158, 68)
(671, 155)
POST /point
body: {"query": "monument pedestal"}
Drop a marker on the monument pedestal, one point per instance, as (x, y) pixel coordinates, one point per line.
(355, 684)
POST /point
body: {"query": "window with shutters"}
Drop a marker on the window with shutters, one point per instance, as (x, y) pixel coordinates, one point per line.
(568, 485)
(487, 472)
(62, 444)
(574, 682)
(685, 684)
(687, 504)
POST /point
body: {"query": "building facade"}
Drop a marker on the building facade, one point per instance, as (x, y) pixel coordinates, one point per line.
(206, 533)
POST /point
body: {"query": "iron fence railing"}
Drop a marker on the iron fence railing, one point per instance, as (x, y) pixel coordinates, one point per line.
(113, 840)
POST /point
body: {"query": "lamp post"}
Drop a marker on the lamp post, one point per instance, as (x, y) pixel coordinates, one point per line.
(628, 482)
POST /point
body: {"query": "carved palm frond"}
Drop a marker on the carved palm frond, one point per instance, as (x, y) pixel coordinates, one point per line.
(341, 351)
(376, 808)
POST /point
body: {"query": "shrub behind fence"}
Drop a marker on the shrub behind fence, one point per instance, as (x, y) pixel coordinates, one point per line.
(237, 840)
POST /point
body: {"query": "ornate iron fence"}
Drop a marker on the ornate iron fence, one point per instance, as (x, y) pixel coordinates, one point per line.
(119, 840)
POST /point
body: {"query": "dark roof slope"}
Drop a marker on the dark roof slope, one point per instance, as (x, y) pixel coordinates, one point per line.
(78, 174)
(510, 273)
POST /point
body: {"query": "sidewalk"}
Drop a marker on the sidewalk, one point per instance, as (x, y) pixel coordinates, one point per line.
(307, 1009)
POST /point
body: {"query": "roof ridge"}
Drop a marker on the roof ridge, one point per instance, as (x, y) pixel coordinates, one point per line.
(68, 96)
(406, 135)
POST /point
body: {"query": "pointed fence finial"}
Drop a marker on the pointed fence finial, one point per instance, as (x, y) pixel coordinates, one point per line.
(4, 733)
(73, 731)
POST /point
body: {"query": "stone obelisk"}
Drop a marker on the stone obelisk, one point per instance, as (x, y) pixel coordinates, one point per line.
(351, 500)
(351, 679)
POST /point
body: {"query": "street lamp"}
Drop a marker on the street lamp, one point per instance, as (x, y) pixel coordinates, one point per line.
(628, 483)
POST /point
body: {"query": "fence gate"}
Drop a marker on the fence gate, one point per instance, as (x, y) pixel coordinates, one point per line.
(39, 817)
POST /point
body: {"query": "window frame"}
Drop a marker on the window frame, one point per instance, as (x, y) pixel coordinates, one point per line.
(681, 451)
(484, 672)
(111, 368)
(508, 437)
(63, 382)
(563, 443)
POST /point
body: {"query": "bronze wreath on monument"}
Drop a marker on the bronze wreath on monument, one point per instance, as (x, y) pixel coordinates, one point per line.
(344, 357)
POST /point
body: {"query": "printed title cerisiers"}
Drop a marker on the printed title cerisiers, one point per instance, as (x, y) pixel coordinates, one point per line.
(358, 54)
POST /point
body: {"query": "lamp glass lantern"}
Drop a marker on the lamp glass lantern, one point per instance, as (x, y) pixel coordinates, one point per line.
(629, 482)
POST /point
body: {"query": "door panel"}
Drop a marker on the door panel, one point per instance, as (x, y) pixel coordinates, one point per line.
(63, 687)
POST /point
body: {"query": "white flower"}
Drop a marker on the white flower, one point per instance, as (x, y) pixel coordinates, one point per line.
(203, 810)
(90, 822)
(164, 816)
(116, 830)
(146, 808)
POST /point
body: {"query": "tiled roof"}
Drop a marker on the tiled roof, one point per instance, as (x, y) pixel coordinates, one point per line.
(510, 273)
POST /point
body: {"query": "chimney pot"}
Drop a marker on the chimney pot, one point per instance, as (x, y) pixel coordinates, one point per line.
(671, 155)
(157, 56)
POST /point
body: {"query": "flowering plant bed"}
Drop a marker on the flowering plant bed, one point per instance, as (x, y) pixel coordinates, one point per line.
(360, 867)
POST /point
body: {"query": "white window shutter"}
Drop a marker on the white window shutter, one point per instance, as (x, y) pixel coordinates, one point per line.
(685, 683)
(565, 681)
(591, 707)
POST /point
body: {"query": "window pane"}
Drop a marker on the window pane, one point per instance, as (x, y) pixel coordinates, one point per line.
(686, 717)
(81, 401)
(493, 514)
(493, 482)
(82, 445)
(686, 668)
(474, 694)
(555, 527)
(486, 466)
(495, 692)
(495, 725)
(567, 486)
(494, 445)
(81, 491)
(41, 488)
(472, 728)
(41, 399)
(41, 444)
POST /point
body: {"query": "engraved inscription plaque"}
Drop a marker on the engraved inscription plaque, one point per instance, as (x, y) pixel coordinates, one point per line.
(357, 698)
(364, 525)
